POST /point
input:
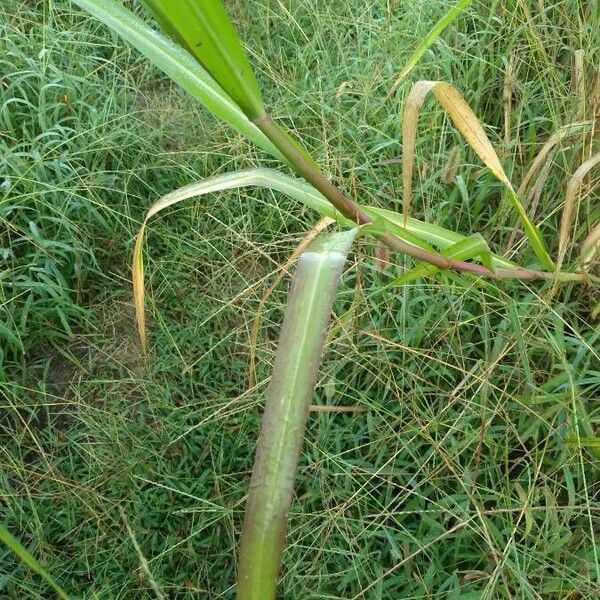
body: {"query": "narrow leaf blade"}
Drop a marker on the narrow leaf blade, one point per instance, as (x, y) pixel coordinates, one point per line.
(430, 233)
(469, 247)
(430, 38)
(204, 28)
(28, 559)
(178, 64)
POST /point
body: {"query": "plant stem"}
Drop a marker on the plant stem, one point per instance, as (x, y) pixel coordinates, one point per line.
(308, 170)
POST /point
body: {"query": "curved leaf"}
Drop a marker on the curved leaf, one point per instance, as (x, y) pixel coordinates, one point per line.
(554, 140)
(591, 246)
(413, 231)
(470, 127)
(571, 205)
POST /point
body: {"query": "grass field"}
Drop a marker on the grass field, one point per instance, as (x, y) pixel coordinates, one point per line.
(465, 477)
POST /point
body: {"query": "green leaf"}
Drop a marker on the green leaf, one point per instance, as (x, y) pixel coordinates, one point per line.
(428, 40)
(297, 360)
(515, 320)
(30, 560)
(203, 27)
(469, 247)
(413, 231)
(584, 442)
(380, 225)
(430, 233)
(178, 64)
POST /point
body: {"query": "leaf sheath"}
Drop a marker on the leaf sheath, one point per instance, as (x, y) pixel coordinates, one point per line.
(286, 412)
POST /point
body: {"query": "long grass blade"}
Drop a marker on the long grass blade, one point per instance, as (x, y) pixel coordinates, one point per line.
(286, 412)
(429, 39)
(572, 198)
(413, 230)
(203, 27)
(468, 124)
(28, 559)
(176, 62)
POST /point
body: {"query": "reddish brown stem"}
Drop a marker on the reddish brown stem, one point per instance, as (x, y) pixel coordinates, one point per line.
(308, 170)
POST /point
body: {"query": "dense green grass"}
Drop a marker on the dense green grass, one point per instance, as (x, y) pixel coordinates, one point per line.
(458, 483)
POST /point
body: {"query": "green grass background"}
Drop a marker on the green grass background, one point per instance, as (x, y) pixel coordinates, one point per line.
(458, 482)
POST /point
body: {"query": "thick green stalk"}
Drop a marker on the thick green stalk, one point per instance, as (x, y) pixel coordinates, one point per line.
(286, 412)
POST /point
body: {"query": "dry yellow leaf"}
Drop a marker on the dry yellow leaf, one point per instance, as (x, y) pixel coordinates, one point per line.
(591, 246)
(462, 116)
(553, 141)
(412, 108)
(572, 199)
(470, 127)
